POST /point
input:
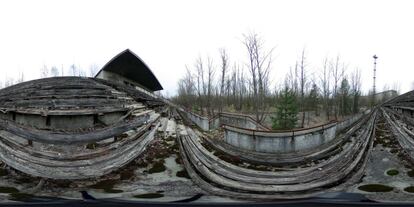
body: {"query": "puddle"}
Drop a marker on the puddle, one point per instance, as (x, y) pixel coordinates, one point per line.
(149, 195)
(409, 189)
(375, 188)
(8, 190)
(392, 172)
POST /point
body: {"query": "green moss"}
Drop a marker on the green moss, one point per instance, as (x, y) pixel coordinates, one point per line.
(107, 186)
(24, 180)
(104, 184)
(394, 150)
(91, 146)
(8, 190)
(110, 190)
(178, 160)
(375, 188)
(183, 174)
(157, 167)
(3, 172)
(410, 173)
(149, 195)
(392, 172)
(20, 196)
(409, 189)
(142, 164)
(127, 174)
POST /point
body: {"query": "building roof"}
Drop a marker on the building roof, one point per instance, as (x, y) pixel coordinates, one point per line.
(129, 65)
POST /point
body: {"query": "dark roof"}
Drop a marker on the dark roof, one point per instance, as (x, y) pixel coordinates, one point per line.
(129, 65)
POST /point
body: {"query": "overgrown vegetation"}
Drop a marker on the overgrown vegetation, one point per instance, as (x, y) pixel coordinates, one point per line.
(248, 86)
(286, 111)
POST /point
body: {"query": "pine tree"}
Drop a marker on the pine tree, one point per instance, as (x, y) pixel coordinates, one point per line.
(286, 111)
(313, 99)
(345, 105)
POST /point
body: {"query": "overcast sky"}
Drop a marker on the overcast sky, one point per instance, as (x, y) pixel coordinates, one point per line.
(170, 34)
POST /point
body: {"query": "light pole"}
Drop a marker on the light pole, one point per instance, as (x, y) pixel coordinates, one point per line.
(375, 76)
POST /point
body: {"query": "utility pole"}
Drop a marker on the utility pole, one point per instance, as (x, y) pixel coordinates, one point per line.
(375, 76)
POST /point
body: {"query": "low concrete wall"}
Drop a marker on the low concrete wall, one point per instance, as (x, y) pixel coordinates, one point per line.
(200, 121)
(284, 142)
(220, 119)
(238, 120)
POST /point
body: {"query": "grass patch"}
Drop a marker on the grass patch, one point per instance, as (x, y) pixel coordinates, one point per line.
(392, 172)
(24, 180)
(157, 167)
(8, 190)
(409, 189)
(20, 196)
(110, 190)
(127, 174)
(375, 188)
(107, 186)
(149, 195)
(183, 174)
(410, 173)
(3, 172)
(91, 146)
(393, 151)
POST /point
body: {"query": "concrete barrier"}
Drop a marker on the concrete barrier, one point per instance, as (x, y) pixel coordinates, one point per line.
(200, 121)
(284, 141)
(231, 119)
(238, 120)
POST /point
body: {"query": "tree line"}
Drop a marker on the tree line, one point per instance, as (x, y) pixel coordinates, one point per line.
(331, 89)
(54, 71)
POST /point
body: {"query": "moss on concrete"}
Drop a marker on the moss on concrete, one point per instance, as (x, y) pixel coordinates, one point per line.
(149, 195)
(392, 172)
(375, 188)
(409, 189)
(8, 190)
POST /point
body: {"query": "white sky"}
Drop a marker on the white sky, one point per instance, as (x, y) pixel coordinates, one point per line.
(169, 34)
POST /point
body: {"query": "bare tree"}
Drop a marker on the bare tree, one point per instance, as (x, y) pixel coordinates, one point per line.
(224, 67)
(201, 89)
(20, 79)
(325, 86)
(8, 82)
(186, 90)
(355, 89)
(210, 78)
(302, 83)
(54, 71)
(81, 72)
(93, 70)
(337, 74)
(44, 72)
(259, 66)
(73, 70)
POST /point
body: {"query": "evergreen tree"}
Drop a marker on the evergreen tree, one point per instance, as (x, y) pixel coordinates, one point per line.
(286, 111)
(345, 104)
(313, 99)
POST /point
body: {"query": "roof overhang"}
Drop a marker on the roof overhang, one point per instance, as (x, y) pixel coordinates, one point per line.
(130, 66)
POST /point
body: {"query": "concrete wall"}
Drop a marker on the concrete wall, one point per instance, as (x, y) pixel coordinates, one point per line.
(61, 121)
(284, 142)
(106, 75)
(237, 120)
(200, 121)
